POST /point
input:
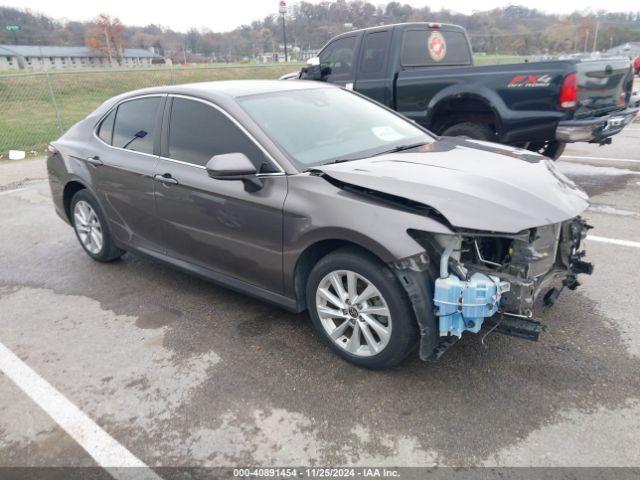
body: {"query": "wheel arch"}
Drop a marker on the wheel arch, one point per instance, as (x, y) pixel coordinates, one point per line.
(70, 189)
(311, 255)
(463, 107)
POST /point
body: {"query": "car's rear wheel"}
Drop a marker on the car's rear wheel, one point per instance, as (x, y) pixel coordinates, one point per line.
(92, 229)
(361, 310)
(476, 131)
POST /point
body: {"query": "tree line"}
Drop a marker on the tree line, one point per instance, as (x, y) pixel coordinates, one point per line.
(510, 30)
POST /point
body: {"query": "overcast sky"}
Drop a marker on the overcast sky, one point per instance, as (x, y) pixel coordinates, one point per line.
(219, 15)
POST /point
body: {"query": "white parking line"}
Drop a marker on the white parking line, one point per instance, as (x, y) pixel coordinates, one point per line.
(606, 159)
(9, 192)
(614, 241)
(104, 449)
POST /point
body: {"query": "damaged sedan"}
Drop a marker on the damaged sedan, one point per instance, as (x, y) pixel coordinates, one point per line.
(316, 198)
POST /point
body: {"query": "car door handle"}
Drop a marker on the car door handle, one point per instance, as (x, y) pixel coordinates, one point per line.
(166, 178)
(95, 161)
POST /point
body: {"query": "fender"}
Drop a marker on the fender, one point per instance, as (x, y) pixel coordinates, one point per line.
(479, 93)
(317, 211)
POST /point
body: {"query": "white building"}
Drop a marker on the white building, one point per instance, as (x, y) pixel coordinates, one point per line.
(16, 57)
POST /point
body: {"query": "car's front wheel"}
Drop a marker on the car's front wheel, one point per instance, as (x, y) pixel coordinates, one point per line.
(359, 307)
(92, 229)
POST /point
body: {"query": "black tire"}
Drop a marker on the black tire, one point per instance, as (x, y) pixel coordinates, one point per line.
(551, 149)
(109, 252)
(476, 131)
(404, 328)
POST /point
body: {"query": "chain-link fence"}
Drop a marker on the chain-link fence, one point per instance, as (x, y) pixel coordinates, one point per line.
(38, 107)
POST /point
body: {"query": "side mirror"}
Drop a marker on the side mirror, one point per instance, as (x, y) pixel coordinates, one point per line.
(313, 70)
(234, 166)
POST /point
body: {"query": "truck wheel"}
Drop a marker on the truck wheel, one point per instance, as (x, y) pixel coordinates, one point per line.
(476, 131)
(551, 149)
(360, 309)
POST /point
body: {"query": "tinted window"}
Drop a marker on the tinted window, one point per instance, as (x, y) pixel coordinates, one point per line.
(198, 131)
(338, 56)
(434, 47)
(134, 126)
(106, 127)
(374, 52)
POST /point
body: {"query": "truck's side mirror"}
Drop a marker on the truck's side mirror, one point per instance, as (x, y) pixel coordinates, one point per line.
(314, 70)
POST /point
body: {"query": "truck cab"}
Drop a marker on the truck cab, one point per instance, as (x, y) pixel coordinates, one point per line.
(426, 72)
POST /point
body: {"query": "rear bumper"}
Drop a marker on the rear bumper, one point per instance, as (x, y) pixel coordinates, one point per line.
(595, 130)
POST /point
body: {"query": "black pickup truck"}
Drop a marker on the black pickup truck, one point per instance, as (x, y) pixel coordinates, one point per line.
(425, 71)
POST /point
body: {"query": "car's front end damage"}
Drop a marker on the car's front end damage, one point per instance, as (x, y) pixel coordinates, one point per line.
(477, 282)
(497, 281)
(515, 242)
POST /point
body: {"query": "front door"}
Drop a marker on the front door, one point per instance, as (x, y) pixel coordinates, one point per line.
(122, 163)
(338, 59)
(218, 224)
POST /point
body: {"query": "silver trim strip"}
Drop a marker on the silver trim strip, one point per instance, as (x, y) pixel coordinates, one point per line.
(99, 122)
(187, 97)
(201, 167)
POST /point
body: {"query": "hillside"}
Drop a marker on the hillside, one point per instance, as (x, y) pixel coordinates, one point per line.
(510, 30)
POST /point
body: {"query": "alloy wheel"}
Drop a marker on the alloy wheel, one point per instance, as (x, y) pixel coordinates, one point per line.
(88, 227)
(353, 313)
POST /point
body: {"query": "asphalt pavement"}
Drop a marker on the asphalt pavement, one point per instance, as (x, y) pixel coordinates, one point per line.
(134, 363)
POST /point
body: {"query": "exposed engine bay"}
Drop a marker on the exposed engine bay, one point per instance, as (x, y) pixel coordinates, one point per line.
(495, 279)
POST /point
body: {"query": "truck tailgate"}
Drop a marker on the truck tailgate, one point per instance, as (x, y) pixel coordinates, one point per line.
(602, 86)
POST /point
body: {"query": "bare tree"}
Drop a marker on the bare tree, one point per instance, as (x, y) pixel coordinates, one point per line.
(106, 35)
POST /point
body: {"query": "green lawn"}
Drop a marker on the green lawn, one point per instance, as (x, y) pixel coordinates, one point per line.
(27, 113)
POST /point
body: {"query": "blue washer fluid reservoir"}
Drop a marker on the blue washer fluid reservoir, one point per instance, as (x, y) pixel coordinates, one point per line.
(463, 305)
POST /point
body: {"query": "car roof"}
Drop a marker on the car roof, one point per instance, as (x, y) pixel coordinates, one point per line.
(231, 89)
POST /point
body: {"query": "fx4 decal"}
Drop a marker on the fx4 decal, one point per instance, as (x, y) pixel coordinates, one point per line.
(529, 81)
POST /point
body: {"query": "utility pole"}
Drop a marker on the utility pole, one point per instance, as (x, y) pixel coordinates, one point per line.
(595, 37)
(586, 41)
(283, 11)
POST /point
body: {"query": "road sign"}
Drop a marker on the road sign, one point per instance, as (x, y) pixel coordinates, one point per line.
(283, 7)
(14, 28)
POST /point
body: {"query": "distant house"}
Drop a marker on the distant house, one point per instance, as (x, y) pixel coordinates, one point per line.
(631, 50)
(16, 57)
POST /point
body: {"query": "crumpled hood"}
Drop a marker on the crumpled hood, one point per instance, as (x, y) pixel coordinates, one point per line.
(475, 185)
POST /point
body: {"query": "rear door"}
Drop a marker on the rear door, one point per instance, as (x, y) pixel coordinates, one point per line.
(217, 224)
(373, 78)
(602, 86)
(122, 159)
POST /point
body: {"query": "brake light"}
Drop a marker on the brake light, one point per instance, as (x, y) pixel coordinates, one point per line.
(569, 91)
(435, 25)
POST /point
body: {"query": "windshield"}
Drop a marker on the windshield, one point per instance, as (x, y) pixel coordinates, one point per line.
(324, 125)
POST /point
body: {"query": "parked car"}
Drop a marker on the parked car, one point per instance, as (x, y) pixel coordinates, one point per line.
(425, 71)
(315, 198)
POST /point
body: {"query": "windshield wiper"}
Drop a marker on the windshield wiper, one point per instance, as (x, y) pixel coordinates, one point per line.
(401, 148)
(340, 160)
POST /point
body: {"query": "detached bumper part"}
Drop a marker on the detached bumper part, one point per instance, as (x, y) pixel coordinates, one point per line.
(595, 129)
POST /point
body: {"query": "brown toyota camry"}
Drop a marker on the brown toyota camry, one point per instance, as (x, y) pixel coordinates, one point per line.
(315, 198)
